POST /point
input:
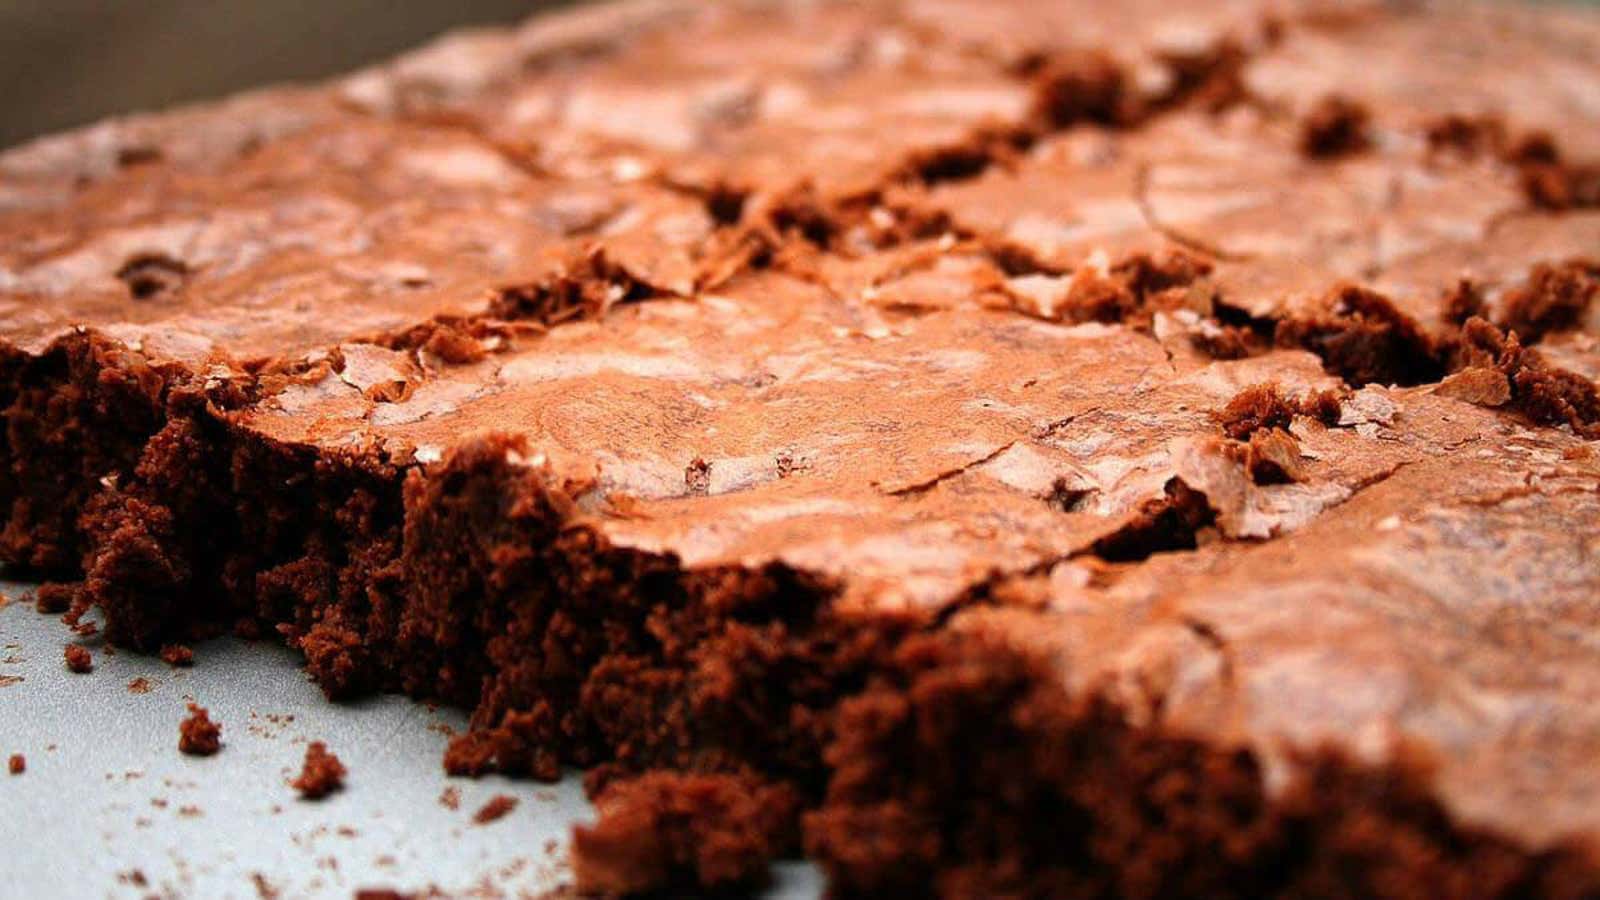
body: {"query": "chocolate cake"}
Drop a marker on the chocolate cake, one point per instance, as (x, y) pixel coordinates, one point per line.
(989, 448)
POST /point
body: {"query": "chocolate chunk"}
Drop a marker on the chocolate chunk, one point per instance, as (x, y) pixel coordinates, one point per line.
(321, 774)
(198, 735)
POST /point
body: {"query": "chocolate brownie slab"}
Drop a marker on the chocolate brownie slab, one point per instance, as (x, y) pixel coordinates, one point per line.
(774, 489)
(1046, 464)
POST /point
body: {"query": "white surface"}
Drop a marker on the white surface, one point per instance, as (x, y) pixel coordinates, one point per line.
(106, 789)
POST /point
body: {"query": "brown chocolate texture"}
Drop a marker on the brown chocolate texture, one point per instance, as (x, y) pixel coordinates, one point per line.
(992, 448)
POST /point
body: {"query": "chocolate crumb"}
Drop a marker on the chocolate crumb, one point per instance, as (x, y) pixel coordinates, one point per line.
(697, 477)
(264, 888)
(450, 798)
(198, 735)
(78, 659)
(498, 807)
(18, 764)
(177, 655)
(321, 774)
(139, 685)
(1336, 126)
(54, 598)
(1263, 406)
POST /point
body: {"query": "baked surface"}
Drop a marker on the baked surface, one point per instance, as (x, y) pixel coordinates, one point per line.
(994, 448)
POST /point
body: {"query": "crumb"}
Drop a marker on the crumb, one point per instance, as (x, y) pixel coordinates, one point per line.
(134, 877)
(321, 774)
(189, 812)
(497, 807)
(140, 685)
(697, 477)
(19, 764)
(264, 888)
(450, 798)
(198, 735)
(177, 655)
(54, 598)
(78, 659)
(1335, 127)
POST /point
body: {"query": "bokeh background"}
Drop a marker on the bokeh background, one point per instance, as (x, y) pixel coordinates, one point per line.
(68, 62)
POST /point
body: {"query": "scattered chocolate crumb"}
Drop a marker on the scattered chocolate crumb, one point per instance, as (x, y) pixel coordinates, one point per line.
(18, 764)
(264, 888)
(78, 659)
(450, 798)
(497, 807)
(189, 812)
(1556, 186)
(140, 685)
(198, 735)
(1336, 126)
(321, 774)
(697, 477)
(134, 877)
(1263, 406)
(9, 680)
(54, 598)
(177, 655)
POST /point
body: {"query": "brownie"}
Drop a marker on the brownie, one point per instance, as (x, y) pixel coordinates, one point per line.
(993, 449)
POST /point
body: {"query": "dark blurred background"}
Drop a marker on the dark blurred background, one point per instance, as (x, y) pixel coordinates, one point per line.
(68, 62)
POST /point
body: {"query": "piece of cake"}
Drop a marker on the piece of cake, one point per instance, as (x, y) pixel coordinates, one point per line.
(993, 449)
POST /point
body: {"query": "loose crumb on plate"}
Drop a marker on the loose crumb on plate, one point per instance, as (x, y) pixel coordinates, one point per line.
(177, 655)
(19, 764)
(54, 598)
(78, 659)
(450, 798)
(198, 735)
(321, 774)
(497, 807)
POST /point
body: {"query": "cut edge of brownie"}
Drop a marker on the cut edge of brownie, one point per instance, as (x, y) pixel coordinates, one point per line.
(475, 581)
